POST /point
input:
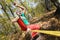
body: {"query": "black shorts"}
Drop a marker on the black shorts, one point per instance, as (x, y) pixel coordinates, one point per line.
(35, 37)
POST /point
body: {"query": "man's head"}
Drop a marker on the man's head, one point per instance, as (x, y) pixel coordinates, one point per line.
(18, 11)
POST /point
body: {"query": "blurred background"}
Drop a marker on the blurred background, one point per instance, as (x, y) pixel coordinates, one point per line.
(34, 9)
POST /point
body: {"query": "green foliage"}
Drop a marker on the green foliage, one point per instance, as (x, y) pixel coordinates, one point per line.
(7, 29)
(6, 26)
(8, 1)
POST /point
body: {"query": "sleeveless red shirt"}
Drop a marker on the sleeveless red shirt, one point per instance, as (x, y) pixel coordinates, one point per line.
(21, 24)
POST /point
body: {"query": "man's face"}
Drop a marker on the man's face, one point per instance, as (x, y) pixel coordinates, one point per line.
(19, 11)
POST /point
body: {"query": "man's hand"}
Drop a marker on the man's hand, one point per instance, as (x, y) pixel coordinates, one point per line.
(15, 4)
(15, 19)
(28, 30)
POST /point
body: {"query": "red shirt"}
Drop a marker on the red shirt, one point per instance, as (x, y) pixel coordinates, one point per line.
(21, 24)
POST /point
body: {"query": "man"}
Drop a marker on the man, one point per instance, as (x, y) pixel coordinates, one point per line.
(21, 13)
(28, 28)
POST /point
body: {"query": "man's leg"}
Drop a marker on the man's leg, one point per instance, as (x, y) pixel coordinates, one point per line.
(35, 37)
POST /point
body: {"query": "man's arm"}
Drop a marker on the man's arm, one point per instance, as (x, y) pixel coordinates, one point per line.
(15, 19)
(23, 9)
